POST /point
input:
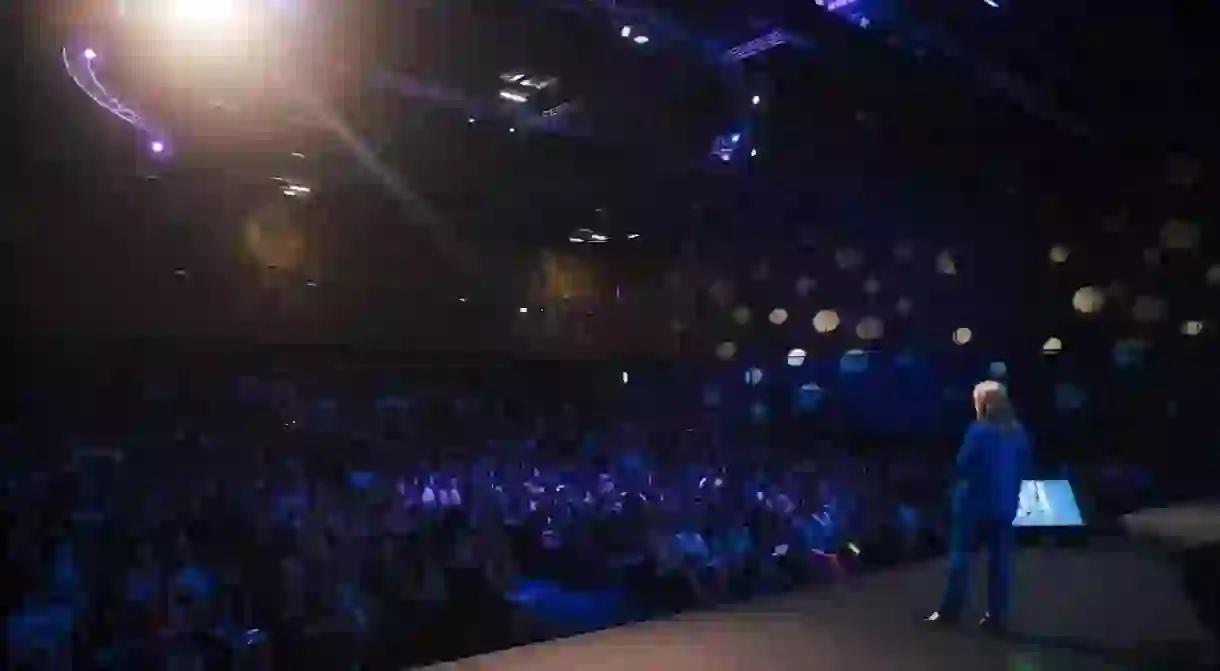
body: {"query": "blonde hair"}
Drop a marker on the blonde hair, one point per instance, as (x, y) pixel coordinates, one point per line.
(992, 405)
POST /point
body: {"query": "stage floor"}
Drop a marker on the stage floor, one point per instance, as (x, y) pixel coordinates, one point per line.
(1106, 606)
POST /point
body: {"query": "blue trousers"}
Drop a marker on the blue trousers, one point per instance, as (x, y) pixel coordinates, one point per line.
(968, 534)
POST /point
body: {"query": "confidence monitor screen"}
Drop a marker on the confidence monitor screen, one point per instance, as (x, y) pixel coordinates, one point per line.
(1048, 503)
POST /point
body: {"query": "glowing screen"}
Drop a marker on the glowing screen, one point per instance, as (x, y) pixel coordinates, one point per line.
(1048, 503)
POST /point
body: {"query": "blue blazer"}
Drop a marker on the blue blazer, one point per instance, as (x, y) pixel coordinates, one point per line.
(991, 464)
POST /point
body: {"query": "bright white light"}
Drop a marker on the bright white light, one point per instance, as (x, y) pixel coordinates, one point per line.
(524, 310)
(632, 236)
(158, 147)
(796, 357)
(297, 154)
(756, 100)
(598, 237)
(753, 152)
(826, 321)
(515, 97)
(1060, 254)
(202, 10)
(626, 31)
(641, 39)
(512, 130)
(736, 137)
(625, 378)
(992, 3)
(1089, 300)
(90, 54)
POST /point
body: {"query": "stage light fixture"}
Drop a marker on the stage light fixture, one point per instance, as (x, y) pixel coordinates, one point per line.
(726, 351)
(202, 9)
(945, 263)
(1149, 309)
(804, 285)
(1088, 300)
(870, 328)
(826, 321)
(853, 361)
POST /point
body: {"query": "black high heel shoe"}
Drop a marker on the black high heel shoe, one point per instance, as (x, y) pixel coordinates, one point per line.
(943, 619)
(992, 625)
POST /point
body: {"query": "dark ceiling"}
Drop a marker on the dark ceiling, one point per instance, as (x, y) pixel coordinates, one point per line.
(852, 131)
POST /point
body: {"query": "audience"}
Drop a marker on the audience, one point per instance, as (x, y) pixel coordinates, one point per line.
(240, 547)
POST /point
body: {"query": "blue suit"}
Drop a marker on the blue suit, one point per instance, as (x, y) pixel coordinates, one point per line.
(991, 464)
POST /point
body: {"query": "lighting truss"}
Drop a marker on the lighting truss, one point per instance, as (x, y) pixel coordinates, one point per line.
(756, 46)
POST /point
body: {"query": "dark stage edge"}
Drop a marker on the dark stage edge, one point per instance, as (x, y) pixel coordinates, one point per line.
(1105, 605)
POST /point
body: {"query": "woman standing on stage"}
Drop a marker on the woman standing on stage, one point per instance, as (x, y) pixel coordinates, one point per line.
(995, 457)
